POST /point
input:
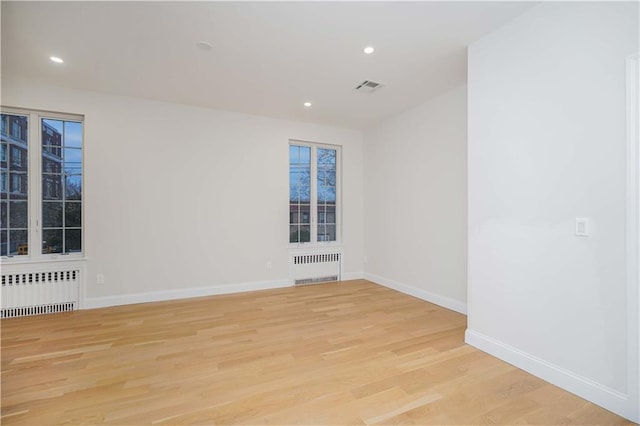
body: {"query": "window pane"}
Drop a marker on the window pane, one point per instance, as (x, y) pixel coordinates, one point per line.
(73, 160)
(51, 131)
(326, 232)
(51, 241)
(18, 243)
(322, 194)
(14, 128)
(293, 213)
(322, 232)
(18, 186)
(73, 214)
(326, 156)
(4, 185)
(18, 159)
(51, 164)
(304, 193)
(293, 234)
(305, 210)
(299, 234)
(294, 196)
(18, 214)
(326, 193)
(72, 134)
(322, 214)
(51, 187)
(52, 214)
(294, 154)
(331, 213)
(4, 242)
(305, 233)
(300, 183)
(305, 155)
(4, 206)
(73, 240)
(73, 187)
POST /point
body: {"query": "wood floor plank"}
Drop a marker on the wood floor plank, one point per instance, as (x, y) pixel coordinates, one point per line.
(349, 353)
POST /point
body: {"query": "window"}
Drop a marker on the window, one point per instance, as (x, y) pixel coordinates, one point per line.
(313, 192)
(41, 198)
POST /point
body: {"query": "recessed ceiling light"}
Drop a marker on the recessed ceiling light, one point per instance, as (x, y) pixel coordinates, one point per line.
(307, 104)
(56, 59)
(204, 45)
(369, 50)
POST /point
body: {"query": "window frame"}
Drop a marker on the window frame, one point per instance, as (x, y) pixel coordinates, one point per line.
(313, 223)
(35, 191)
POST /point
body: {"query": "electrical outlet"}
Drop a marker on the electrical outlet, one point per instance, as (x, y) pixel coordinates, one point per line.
(582, 227)
(269, 265)
(100, 279)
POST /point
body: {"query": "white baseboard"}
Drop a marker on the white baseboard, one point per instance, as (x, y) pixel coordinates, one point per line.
(445, 302)
(588, 389)
(158, 296)
(352, 276)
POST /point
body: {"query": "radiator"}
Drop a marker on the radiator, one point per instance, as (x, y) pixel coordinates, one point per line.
(309, 268)
(35, 293)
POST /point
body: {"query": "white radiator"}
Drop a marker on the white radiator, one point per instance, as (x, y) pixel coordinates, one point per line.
(308, 268)
(35, 293)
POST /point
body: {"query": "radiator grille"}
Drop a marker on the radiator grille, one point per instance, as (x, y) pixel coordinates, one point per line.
(311, 268)
(36, 293)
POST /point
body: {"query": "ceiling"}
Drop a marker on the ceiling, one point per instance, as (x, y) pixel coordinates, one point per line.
(266, 58)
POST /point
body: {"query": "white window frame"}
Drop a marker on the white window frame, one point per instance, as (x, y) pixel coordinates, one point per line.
(313, 223)
(34, 204)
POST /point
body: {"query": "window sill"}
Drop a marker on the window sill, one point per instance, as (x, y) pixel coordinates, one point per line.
(57, 259)
(314, 246)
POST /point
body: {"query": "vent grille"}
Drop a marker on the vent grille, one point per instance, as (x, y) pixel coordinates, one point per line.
(368, 86)
(317, 280)
(36, 293)
(38, 310)
(311, 268)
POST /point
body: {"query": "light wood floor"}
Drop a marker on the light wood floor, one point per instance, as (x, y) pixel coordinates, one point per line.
(326, 354)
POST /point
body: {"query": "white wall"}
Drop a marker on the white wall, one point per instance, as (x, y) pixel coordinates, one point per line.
(181, 198)
(547, 145)
(416, 199)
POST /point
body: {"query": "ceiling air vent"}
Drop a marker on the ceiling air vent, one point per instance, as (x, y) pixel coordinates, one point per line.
(368, 86)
